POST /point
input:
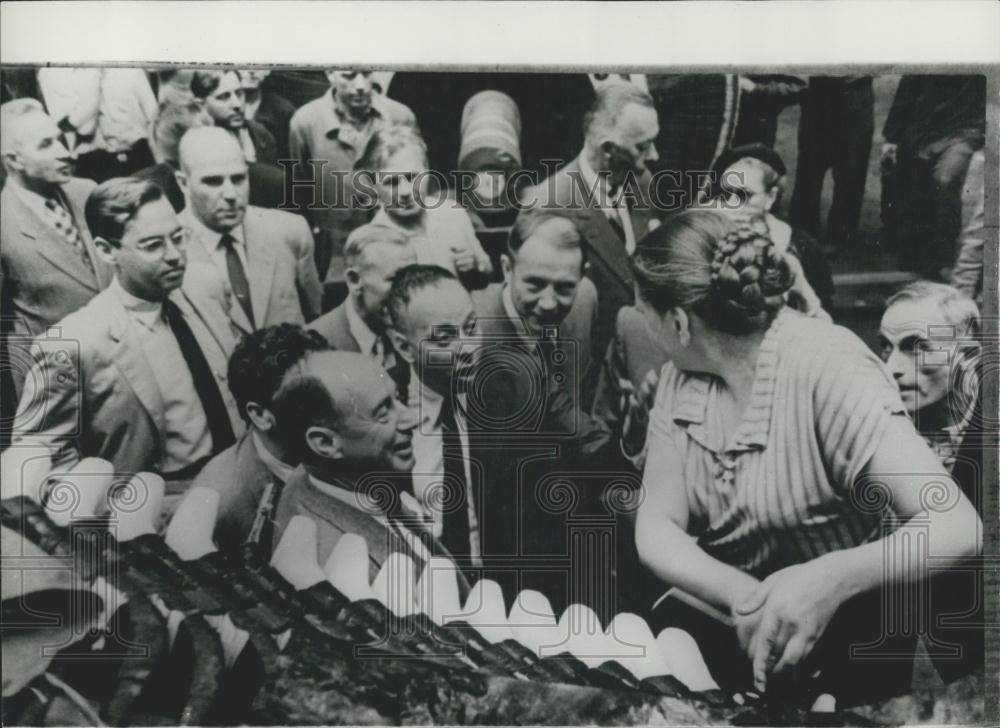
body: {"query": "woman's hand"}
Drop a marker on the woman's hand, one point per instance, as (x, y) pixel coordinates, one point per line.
(636, 403)
(780, 622)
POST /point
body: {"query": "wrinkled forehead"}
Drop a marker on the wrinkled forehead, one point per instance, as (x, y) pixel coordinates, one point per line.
(446, 303)
(744, 174)
(637, 122)
(28, 129)
(915, 318)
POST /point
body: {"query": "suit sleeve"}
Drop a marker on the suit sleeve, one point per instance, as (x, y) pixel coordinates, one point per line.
(49, 411)
(307, 276)
(298, 142)
(903, 106)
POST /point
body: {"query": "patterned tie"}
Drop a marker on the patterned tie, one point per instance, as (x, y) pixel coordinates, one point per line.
(63, 222)
(204, 380)
(237, 276)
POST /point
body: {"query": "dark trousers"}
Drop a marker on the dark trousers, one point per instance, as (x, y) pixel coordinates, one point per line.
(101, 166)
(924, 208)
(835, 133)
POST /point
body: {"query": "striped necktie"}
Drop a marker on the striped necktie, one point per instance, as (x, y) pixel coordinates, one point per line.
(63, 222)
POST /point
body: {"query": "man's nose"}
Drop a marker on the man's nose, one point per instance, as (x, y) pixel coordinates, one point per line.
(405, 187)
(62, 152)
(547, 300)
(174, 254)
(407, 420)
(652, 155)
(897, 364)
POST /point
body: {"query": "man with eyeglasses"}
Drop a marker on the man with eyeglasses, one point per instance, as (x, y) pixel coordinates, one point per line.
(138, 376)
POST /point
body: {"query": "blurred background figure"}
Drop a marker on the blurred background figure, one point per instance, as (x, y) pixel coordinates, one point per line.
(266, 106)
(835, 134)
(490, 149)
(935, 125)
(749, 184)
(221, 93)
(762, 98)
(326, 138)
(105, 115)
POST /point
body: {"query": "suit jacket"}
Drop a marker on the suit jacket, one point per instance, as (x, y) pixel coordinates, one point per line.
(333, 326)
(240, 478)
(284, 284)
(631, 355)
(334, 518)
(574, 331)
(275, 114)
(565, 193)
(263, 142)
(44, 278)
(99, 395)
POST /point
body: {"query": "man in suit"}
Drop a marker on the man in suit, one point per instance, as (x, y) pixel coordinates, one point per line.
(138, 375)
(544, 291)
(266, 256)
(249, 475)
(221, 93)
(374, 254)
(49, 265)
(326, 137)
(606, 192)
(267, 107)
(355, 442)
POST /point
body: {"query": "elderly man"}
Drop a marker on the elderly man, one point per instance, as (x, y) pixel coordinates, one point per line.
(929, 339)
(326, 138)
(221, 93)
(605, 191)
(137, 376)
(50, 267)
(250, 474)
(374, 254)
(265, 255)
(355, 442)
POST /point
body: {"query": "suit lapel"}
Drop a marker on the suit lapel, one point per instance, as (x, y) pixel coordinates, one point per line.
(49, 244)
(217, 328)
(261, 261)
(101, 270)
(128, 356)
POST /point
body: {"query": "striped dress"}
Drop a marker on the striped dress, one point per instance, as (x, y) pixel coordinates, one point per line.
(779, 493)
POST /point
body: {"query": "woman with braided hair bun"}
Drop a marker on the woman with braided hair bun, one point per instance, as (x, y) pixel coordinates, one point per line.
(776, 445)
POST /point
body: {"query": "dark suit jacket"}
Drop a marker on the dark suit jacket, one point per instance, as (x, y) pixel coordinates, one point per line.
(263, 143)
(565, 193)
(574, 331)
(239, 476)
(267, 184)
(334, 518)
(275, 114)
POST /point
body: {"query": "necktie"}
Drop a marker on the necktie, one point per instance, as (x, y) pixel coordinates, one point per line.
(455, 531)
(237, 276)
(205, 385)
(63, 222)
(397, 367)
(262, 531)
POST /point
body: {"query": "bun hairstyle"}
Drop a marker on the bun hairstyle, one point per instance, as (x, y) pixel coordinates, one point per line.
(728, 272)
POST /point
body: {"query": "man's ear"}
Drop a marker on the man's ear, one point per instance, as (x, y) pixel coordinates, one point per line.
(352, 277)
(324, 442)
(772, 196)
(182, 181)
(261, 417)
(105, 251)
(11, 160)
(506, 266)
(402, 345)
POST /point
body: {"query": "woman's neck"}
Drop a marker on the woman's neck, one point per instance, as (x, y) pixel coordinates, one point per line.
(734, 360)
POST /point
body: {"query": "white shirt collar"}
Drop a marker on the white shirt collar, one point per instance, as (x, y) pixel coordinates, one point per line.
(149, 313)
(276, 467)
(210, 237)
(361, 332)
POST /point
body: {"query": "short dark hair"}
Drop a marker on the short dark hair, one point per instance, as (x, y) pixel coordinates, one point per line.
(303, 402)
(529, 220)
(262, 359)
(114, 202)
(204, 83)
(409, 280)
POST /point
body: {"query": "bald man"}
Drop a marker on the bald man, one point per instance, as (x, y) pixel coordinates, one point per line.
(50, 266)
(354, 439)
(266, 256)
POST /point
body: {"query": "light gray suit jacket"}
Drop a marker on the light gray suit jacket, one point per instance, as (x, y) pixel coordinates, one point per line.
(43, 279)
(94, 393)
(281, 268)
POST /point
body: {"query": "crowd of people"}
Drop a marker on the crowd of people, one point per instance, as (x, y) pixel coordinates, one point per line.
(555, 382)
